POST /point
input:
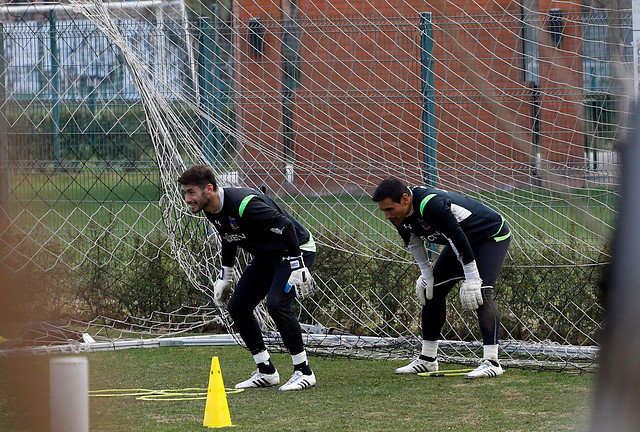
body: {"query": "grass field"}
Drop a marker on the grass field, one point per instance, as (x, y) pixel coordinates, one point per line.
(129, 199)
(351, 395)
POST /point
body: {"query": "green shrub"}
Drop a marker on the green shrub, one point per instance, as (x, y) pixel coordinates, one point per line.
(541, 296)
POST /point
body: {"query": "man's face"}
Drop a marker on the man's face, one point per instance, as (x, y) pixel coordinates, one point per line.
(196, 197)
(393, 211)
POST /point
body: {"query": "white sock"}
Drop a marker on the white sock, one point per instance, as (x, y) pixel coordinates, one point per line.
(262, 357)
(430, 348)
(299, 358)
(491, 352)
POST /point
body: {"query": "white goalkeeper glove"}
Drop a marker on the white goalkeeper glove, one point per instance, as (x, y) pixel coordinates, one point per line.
(223, 287)
(470, 291)
(300, 279)
(424, 288)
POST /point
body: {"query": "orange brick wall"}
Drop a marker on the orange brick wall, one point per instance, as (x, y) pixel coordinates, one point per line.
(259, 99)
(349, 142)
(561, 125)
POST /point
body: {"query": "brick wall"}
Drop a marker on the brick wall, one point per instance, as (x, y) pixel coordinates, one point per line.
(357, 114)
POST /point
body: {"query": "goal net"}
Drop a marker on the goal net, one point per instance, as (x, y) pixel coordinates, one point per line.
(515, 103)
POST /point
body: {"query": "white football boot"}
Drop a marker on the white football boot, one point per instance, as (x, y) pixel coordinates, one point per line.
(299, 381)
(485, 370)
(418, 366)
(259, 380)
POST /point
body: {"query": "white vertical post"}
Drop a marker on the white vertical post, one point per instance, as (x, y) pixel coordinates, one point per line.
(187, 37)
(161, 43)
(69, 383)
(636, 47)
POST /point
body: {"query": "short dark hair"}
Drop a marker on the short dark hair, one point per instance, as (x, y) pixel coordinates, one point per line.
(389, 188)
(199, 175)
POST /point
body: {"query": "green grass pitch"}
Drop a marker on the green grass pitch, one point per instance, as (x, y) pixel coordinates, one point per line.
(351, 395)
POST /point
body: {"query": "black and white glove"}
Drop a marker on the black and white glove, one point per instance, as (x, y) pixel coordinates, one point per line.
(300, 279)
(223, 287)
(470, 291)
(424, 288)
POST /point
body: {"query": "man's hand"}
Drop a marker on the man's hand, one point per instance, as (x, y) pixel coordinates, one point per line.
(223, 287)
(300, 279)
(424, 288)
(471, 294)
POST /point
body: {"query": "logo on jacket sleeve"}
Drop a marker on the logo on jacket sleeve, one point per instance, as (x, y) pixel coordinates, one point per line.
(233, 223)
(231, 238)
(421, 225)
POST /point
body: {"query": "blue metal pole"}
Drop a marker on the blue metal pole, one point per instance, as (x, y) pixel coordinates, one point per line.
(429, 132)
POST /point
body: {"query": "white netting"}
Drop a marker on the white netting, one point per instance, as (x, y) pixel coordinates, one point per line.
(316, 104)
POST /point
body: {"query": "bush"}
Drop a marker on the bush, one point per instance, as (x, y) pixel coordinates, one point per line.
(135, 277)
(545, 297)
(541, 296)
(374, 296)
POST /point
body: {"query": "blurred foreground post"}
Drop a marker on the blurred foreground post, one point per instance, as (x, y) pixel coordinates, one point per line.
(69, 382)
(617, 399)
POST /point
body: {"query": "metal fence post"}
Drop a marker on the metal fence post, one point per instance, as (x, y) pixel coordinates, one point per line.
(210, 145)
(4, 143)
(55, 87)
(428, 104)
(218, 95)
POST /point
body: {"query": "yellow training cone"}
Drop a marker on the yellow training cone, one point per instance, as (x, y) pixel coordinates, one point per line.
(216, 412)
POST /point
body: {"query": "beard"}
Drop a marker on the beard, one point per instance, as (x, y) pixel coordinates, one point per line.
(201, 205)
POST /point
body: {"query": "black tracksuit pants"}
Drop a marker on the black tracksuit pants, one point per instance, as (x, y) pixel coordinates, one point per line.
(447, 272)
(267, 276)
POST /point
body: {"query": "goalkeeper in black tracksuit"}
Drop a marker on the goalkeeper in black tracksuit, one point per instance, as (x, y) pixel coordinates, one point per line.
(282, 250)
(475, 240)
